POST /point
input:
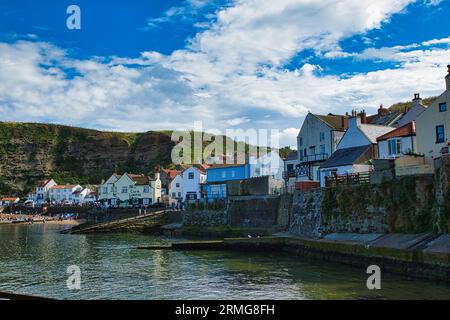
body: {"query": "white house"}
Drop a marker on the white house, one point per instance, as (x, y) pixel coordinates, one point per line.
(175, 190)
(9, 201)
(130, 190)
(269, 164)
(83, 196)
(433, 126)
(67, 192)
(193, 178)
(413, 113)
(41, 193)
(91, 197)
(398, 142)
(356, 148)
(316, 141)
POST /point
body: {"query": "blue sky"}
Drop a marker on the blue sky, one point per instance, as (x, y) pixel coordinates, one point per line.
(163, 64)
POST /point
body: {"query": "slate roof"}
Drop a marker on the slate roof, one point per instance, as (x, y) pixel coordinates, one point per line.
(231, 165)
(372, 132)
(348, 156)
(334, 121)
(292, 156)
(384, 120)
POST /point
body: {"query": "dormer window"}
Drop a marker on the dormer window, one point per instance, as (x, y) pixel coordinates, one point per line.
(442, 107)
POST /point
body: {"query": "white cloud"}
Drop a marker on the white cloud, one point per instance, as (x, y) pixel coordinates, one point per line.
(237, 121)
(231, 74)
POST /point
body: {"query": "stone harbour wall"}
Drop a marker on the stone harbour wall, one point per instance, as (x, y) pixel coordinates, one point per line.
(306, 214)
(253, 211)
(205, 218)
(242, 211)
(403, 205)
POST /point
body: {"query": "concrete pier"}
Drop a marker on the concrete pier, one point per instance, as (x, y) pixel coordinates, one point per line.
(425, 256)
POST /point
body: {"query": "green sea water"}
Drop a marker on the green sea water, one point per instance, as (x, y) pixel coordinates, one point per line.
(34, 260)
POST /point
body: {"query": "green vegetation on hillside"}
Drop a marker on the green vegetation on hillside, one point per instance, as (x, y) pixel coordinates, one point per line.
(30, 152)
(404, 106)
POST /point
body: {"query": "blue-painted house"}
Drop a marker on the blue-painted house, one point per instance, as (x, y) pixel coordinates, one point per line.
(217, 176)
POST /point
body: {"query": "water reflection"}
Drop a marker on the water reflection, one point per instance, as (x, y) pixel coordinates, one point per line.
(34, 258)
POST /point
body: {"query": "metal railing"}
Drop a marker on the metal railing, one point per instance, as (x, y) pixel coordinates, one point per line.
(314, 157)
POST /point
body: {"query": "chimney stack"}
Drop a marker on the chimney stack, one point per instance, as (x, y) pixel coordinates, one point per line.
(447, 78)
(344, 120)
(363, 116)
(382, 111)
(417, 99)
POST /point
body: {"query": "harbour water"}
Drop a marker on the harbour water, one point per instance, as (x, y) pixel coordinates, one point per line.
(34, 260)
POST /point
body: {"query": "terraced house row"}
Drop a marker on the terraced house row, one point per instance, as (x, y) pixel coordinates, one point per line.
(338, 146)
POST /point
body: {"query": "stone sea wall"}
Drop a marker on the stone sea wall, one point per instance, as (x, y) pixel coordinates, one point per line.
(205, 218)
(306, 214)
(407, 204)
(240, 212)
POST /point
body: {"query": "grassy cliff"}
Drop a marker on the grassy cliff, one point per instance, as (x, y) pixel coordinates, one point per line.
(30, 152)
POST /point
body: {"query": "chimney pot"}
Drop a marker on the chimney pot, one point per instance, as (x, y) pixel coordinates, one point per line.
(447, 78)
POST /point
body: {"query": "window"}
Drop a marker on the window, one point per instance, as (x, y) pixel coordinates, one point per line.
(191, 176)
(124, 190)
(322, 149)
(290, 168)
(301, 142)
(440, 134)
(174, 194)
(177, 185)
(179, 194)
(146, 189)
(224, 174)
(105, 190)
(442, 107)
(322, 136)
(395, 147)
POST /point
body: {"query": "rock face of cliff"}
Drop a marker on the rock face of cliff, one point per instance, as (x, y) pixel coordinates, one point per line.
(30, 152)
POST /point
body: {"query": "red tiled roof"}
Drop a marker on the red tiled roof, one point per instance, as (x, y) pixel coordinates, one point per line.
(139, 179)
(405, 131)
(68, 186)
(172, 173)
(8, 199)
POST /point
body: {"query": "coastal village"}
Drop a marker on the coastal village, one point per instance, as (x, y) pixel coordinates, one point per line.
(331, 149)
(360, 189)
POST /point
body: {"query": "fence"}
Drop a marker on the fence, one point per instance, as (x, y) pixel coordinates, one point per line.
(348, 179)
